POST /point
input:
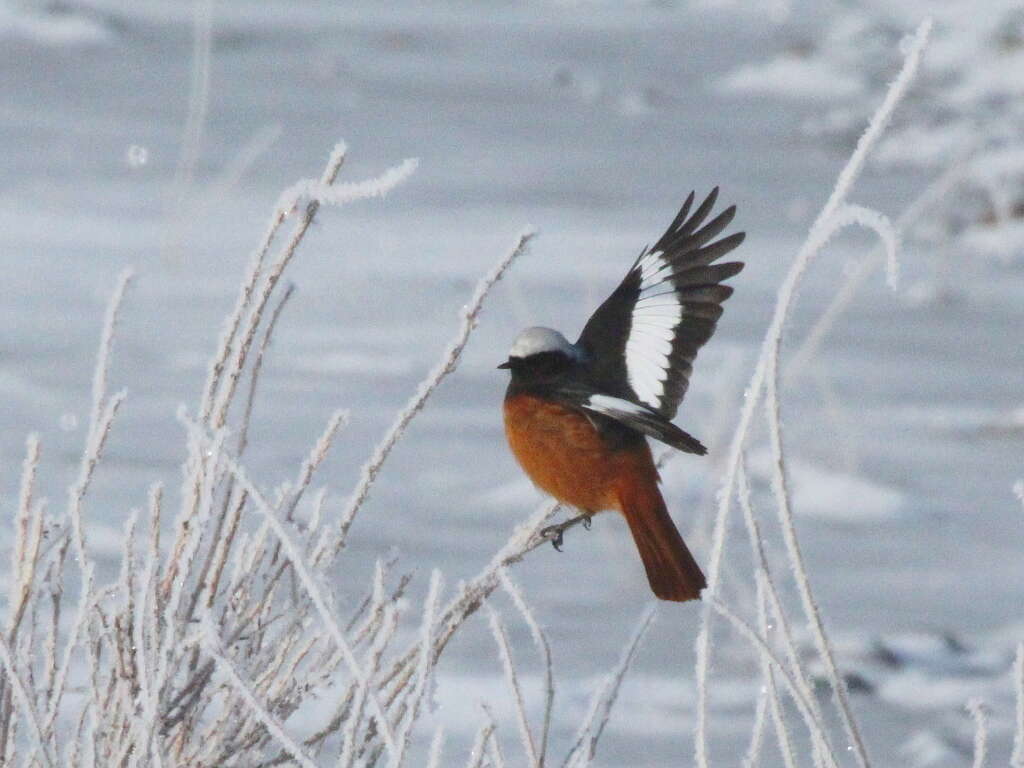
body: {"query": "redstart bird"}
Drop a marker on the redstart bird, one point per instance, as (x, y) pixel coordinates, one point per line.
(577, 415)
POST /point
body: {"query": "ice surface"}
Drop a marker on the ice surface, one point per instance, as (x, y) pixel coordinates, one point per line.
(790, 75)
(826, 494)
(906, 514)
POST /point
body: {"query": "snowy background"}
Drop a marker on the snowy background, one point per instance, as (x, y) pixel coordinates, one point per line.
(591, 122)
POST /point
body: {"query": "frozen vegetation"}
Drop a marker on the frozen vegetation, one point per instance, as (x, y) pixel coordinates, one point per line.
(326, 557)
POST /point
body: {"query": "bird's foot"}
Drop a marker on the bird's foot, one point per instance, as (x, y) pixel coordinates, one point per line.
(556, 533)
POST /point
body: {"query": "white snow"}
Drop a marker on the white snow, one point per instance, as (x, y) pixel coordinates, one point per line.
(793, 76)
(831, 495)
(63, 27)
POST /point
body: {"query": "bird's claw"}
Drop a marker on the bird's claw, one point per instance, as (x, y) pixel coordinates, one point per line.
(558, 541)
(556, 534)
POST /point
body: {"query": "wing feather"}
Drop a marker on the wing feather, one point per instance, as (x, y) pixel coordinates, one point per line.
(643, 420)
(641, 342)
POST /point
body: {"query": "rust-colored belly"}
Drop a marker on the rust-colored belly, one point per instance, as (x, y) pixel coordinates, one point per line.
(565, 455)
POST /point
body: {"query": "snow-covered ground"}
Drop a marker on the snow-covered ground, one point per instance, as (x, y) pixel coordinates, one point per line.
(590, 121)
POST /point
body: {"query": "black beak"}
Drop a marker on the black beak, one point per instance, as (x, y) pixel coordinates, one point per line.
(506, 364)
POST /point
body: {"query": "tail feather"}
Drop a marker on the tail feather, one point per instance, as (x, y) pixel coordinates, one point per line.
(671, 569)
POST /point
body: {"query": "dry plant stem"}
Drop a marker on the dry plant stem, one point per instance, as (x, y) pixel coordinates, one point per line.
(977, 709)
(101, 417)
(353, 718)
(319, 191)
(449, 360)
(253, 272)
(752, 756)
(199, 97)
(145, 632)
(381, 612)
(766, 369)
(782, 734)
(479, 749)
(436, 749)
(933, 194)
(55, 593)
(21, 694)
(524, 538)
(764, 584)
(317, 454)
(28, 522)
(294, 554)
(849, 214)
(512, 680)
(426, 662)
(1017, 759)
(585, 745)
(22, 562)
(768, 593)
(243, 342)
(257, 368)
(494, 750)
(447, 364)
(543, 647)
(211, 574)
(231, 175)
(201, 483)
(493, 747)
(101, 371)
(211, 646)
(761, 646)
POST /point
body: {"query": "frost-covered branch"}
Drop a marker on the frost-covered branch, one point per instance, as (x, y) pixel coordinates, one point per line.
(765, 381)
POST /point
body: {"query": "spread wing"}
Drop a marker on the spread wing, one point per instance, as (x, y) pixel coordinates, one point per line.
(641, 342)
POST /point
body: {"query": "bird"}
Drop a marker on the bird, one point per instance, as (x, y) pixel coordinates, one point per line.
(577, 415)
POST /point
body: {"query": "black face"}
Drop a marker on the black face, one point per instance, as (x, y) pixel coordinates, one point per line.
(539, 368)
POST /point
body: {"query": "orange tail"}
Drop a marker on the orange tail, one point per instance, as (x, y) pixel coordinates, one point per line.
(671, 569)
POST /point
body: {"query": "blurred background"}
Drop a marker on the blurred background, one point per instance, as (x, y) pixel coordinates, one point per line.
(159, 135)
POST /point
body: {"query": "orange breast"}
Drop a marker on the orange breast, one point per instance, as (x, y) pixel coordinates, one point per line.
(565, 455)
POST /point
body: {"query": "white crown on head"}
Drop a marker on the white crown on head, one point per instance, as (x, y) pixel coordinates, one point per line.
(535, 340)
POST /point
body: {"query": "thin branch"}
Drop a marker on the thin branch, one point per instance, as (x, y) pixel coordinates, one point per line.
(449, 360)
(436, 748)
(1017, 760)
(766, 369)
(242, 344)
(512, 679)
(212, 646)
(257, 367)
(979, 714)
(761, 645)
(21, 694)
(426, 663)
(543, 647)
(842, 299)
(768, 592)
(254, 270)
(294, 554)
(479, 749)
(585, 745)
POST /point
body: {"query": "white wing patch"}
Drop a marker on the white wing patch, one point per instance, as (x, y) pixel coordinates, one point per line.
(656, 315)
(613, 406)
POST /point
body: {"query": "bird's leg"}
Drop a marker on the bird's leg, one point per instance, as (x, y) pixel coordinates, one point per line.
(556, 533)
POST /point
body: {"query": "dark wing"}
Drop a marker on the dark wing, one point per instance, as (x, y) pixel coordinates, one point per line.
(602, 409)
(641, 342)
